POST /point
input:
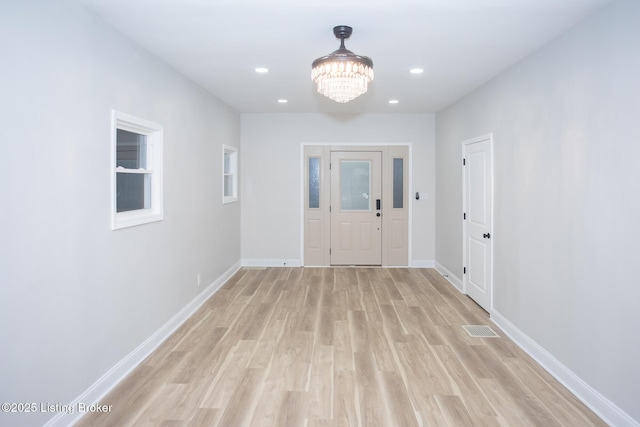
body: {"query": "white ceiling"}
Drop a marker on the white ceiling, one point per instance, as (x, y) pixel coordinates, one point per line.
(460, 44)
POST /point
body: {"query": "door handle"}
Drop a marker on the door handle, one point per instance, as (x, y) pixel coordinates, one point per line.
(377, 204)
(486, 235)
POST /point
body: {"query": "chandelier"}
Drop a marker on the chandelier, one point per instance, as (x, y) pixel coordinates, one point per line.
(342, 75)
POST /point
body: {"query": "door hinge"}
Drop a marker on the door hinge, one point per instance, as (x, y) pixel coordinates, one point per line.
(464, 215)
(329, 251)
(329, 165)
(464, 270)
(464, 162)
(329, 208)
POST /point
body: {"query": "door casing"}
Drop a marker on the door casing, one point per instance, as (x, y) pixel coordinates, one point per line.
(396, 223)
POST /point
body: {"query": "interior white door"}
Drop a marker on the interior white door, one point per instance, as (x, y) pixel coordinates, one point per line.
(356, 189)
(478, 220)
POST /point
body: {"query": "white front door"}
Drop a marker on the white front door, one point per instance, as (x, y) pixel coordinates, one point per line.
(356, 191)
(477, 219)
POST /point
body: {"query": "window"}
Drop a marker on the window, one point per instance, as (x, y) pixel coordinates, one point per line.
(355, 178)
(398, 183)
(229, 174)
(137, 171)
(314, 183)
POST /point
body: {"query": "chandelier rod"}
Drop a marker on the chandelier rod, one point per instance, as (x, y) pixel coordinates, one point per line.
(342, 32)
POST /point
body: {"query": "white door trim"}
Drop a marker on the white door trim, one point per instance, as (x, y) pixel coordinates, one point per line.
(341, 146)
(487, 137)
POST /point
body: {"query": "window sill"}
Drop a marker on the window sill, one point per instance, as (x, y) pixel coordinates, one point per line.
(133, 218)
(228, 200)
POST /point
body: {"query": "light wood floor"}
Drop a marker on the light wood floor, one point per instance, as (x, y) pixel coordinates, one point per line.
(339, 347)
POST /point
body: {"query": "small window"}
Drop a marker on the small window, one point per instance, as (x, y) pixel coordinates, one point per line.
(229, 174)
(137, 171)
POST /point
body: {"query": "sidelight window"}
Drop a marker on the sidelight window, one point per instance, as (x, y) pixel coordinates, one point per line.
(398, 183)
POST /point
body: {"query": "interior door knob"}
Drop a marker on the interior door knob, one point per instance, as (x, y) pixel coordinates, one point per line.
(486, 235)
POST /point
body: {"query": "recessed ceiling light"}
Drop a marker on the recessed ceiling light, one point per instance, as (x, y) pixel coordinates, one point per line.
(393, 101)
(416, 71)
(282, 101)
(262, 70)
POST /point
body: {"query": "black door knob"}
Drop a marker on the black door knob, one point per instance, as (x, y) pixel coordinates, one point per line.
(378, 214)
(486, 235)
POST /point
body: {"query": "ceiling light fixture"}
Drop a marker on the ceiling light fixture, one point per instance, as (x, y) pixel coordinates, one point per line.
(342, 75)
(262, 70)
(416, 71)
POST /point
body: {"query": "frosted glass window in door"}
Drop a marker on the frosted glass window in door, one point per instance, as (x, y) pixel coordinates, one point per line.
(314, 182)
(398, 183)
(355, 176)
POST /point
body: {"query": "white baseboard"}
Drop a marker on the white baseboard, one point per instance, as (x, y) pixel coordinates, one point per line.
(298, 263)
(451, 278)
(271, 262)
(422, 263)
(116, 374)
(607, 410)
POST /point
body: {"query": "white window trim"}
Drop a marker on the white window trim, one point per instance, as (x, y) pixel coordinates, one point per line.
(227, 149)
(154, 134)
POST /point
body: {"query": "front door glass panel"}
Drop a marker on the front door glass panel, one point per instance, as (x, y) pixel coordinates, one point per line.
(355, 185)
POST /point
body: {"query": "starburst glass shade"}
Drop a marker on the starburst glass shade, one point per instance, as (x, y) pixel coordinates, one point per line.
(342, 75)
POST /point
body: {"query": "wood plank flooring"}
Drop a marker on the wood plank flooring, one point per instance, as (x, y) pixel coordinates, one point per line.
(320, 347)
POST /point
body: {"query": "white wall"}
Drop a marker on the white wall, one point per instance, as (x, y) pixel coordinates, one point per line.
(77, 297)
(567, 194)
(271, 177)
